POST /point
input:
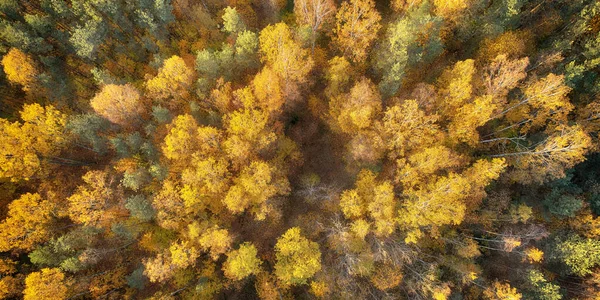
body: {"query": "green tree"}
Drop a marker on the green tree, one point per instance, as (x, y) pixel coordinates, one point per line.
(232, 22)
(140, 207)
(412, 39)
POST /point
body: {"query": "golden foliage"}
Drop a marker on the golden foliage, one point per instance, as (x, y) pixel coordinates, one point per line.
(534, 255)
(502, 75)
(387, 277)
(455, 87)
(298, 258)
(242, 262)
(248, 132)
(20, 68)
(450, 9)
(319, 288)
(25, 145)
(566, 147)
(284, 55)
(91, 203)
(216, 240)
(407, 128)
(513, 44)
(183, 254)
(173, 82)
(256, 184)
(422, 166)
(268, 91)
(28, 223)
(464, 124)
(49, 284)
(501, 291)
(357, 25)
(358, 109)
(120, 104)
(314, 13)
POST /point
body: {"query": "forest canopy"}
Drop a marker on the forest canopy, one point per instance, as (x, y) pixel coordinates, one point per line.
(299, 149)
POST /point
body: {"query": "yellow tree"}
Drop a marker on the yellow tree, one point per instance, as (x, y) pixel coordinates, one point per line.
(248, 134)
(544, 103)
(502, 75)
(387, 277)
(204, 184)
(183, 254)
(533, 255)
(159, 268)
(92, 202)
(11, 287)
(436, 204)
(382, 209)
(285, 56)
(221, 97)
(25, 145)
(480, 175)
(20, 68)
(50, 284)
(407, 127)
(547, 101)
(209, 141)
(339, 75)
(171, 212)
(513, 44)
(562, 150)
(445, 200)
(314, 13)
(208, 175)
(267, 90)
(463, 125)
(213, 239)
(173, 82)
(298, 258)
(501, 291)
(242, 262)
(358, 109)
(105, 282)
(356, 27)
(366, 146)
(120, 104)
(455, 87)
(450, 9)
(181, 141)
(422, 166)
(256, 184)
(28, 223)
(352, 205)
(370, 199)
(404, 5)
